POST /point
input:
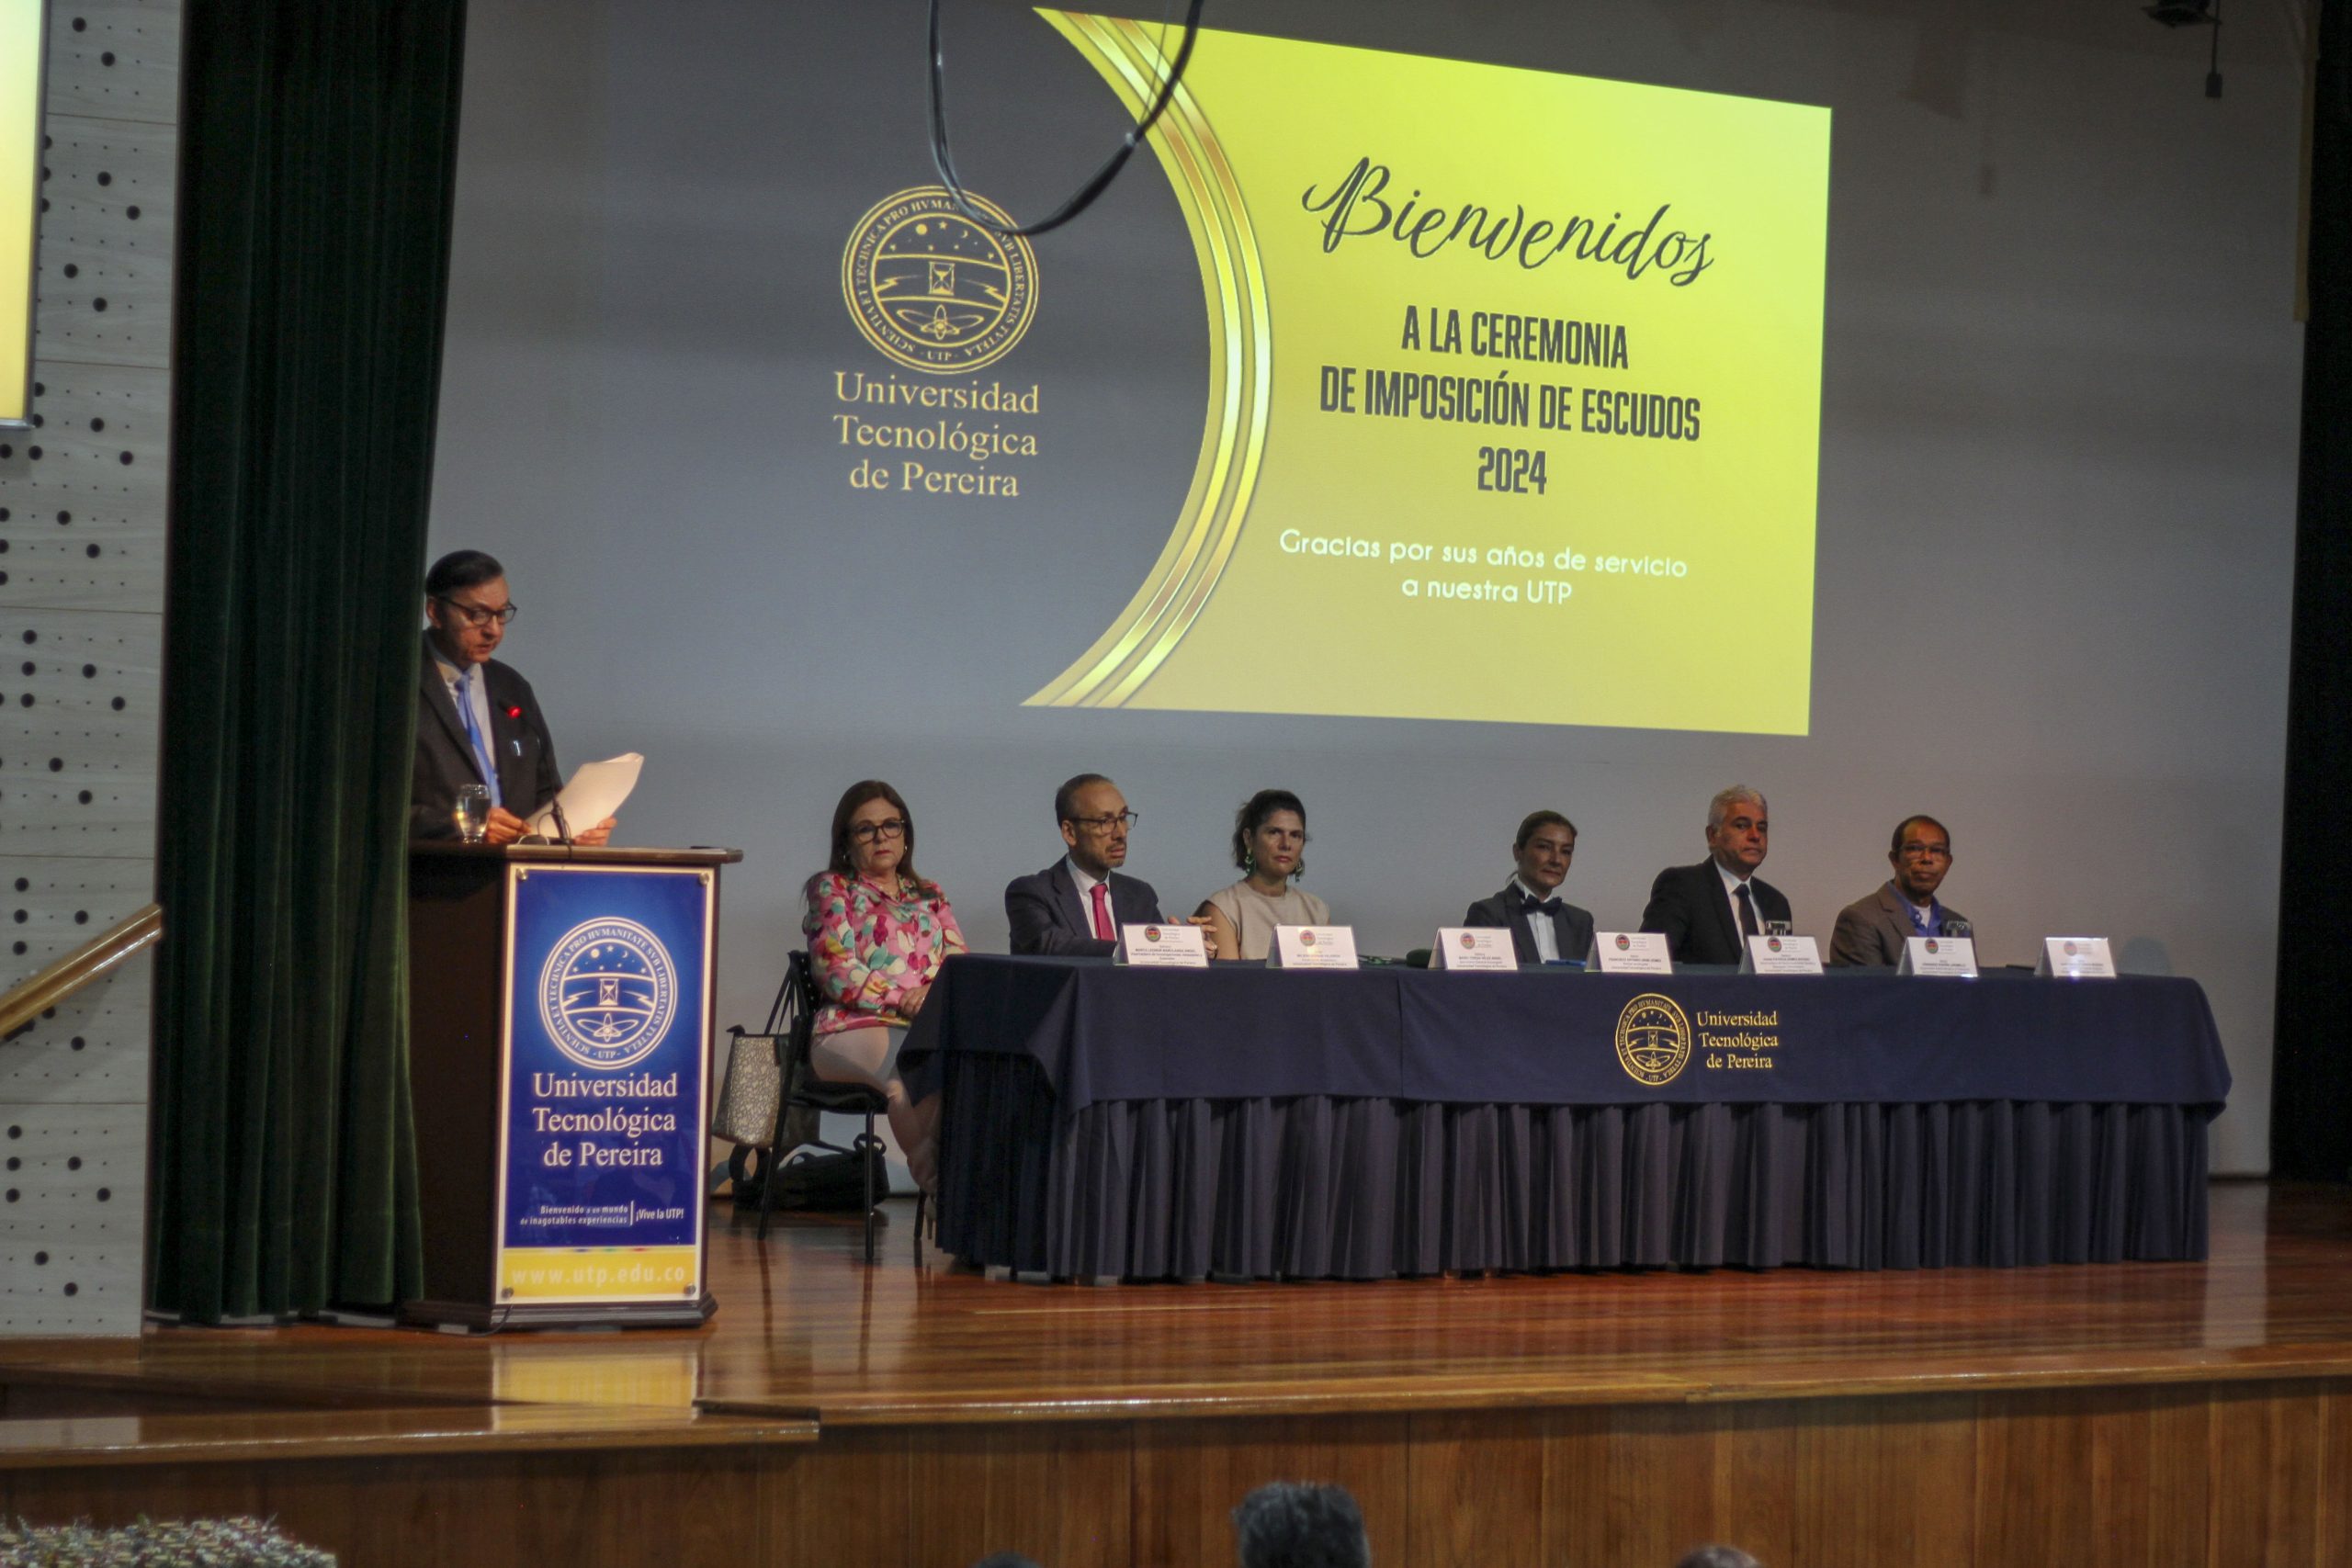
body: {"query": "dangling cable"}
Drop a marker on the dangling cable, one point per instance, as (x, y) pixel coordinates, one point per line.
(1095, 185)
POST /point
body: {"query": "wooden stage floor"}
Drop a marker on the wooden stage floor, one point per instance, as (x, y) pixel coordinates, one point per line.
(2159, 1414)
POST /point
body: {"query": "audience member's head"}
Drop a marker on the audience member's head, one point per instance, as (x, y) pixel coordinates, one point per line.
(1298, 1524)
(1717, 1557)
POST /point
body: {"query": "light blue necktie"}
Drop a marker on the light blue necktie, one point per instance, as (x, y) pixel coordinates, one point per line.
(474, 736)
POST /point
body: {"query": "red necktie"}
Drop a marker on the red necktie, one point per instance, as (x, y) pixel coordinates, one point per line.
(1101, 892)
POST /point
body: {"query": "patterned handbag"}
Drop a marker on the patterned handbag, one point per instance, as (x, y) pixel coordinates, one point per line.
(754, 1089)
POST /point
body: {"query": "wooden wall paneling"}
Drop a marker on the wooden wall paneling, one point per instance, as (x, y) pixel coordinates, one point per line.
(672, 1505)
(1755, 1506)
(2036, 1495)
(2335, 1523)
(603, 1509)
(848, 1500)
(416, 1510)
(1882, 1481)
(2179, 1459)
(124, 1495)
(1645, 1484)
(2119, 1475)
(1600, 1481)
(608, 1509)
(2265, 1448)
(1057, 1493)
(1475, 1492)
(2114, 1475)
(1190, 1474)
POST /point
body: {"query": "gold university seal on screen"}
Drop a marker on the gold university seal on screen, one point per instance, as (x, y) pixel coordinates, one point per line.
(1652, 1039)
(934, 290)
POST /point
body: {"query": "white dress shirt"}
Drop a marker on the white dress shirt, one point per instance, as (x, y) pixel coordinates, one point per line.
(1539, 924)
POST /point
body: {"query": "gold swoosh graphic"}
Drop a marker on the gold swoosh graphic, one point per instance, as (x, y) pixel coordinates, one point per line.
(1233, 441)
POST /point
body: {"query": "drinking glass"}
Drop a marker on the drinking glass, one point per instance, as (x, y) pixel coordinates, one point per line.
(1957, 928)
(1779, 927)
(473, 812)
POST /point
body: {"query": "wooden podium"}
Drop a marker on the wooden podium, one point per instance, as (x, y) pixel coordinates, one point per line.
(560, 1007)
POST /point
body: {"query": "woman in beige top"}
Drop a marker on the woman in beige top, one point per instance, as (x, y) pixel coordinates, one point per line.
(1269, 846)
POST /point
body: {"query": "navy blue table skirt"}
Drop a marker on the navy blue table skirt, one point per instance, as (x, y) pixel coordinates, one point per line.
(1107, 1122)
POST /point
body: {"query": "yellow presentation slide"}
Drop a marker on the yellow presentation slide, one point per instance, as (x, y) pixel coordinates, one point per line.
(19, 196)
(1514, 394)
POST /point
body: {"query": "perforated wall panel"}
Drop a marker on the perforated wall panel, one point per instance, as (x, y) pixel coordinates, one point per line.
(81, 505)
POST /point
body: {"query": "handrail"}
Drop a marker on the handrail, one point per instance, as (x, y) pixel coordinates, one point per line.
(28, 998)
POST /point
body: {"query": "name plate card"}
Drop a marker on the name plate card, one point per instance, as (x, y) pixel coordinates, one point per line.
(2076, 958)
(1313, 947)
(1631, 953)
(1474, 947)
(1781, 955)
(1951, 956)
(1163, 947)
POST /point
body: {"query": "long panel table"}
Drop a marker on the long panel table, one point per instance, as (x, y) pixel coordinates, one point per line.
(1105, 1122)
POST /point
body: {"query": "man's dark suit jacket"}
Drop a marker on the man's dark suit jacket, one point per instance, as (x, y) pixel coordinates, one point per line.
(1687, 903)
(1571, 927)
(1047, 915)
(527, 777)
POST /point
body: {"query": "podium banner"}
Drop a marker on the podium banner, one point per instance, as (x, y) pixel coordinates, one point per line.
(603, 1085)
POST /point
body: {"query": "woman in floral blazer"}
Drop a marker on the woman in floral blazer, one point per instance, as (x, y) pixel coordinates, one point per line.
(878, 934)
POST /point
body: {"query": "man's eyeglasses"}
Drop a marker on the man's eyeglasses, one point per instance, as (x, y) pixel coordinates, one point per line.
(479, 614)
(1927, 852)
(1108, 823)
(889, 827)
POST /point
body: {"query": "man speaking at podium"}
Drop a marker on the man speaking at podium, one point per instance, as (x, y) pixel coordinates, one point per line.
(477, 721)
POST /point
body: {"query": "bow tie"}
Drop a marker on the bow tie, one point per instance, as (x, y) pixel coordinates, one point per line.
(1526, 906)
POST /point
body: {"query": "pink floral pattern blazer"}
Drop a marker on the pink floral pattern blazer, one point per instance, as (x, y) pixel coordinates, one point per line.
(869, 948)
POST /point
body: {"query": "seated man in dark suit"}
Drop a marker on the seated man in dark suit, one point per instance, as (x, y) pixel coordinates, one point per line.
(1707, 910)
(476, 720)
(1873, 930)
(1075, 906)
(1543, 928)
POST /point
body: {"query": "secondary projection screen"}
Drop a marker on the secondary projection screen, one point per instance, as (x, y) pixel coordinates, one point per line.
(21, 78)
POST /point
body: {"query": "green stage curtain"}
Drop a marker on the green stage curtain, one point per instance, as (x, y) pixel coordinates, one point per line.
(2310, 1091)
(317, 165)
